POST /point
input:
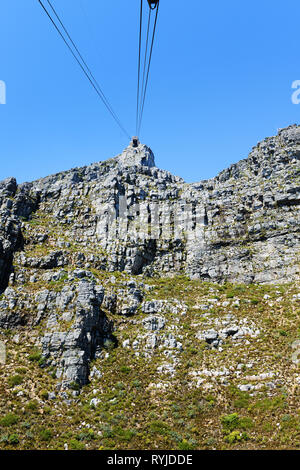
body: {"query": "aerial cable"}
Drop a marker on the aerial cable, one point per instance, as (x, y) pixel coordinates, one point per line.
(139, 67)
(86, 70)
(89, 26)
(95, 84)
(148, 70)
(145, 59)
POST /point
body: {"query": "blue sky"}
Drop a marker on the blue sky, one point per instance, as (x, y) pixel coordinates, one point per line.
(220, 81)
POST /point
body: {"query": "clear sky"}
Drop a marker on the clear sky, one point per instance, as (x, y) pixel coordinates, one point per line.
(220, 81)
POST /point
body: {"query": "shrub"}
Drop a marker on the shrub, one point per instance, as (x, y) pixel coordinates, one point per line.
(245, 423)
(86, 435)
(44, 395)
(42, 361)
(76, 445)
(32, 406)
(242, 401)
(107, 431)
(233, 437)
(236, 436)
(35, 356)
(120, 386)
(21, 370)
(230, 295)
(108, 344)
(75, 386)
(158, 427)
(45, 435)
(125, 369)
(125, 434)
(185, 445)
(13, 439)
(230, 422)
(282, 333)
(136, 383)
(9, 420)
(14, 380)
(4, 438)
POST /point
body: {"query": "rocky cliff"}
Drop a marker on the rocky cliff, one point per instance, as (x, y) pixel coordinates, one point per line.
(125, 214)
(126, 293)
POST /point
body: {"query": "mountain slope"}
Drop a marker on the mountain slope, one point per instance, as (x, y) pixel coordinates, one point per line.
(134, 304)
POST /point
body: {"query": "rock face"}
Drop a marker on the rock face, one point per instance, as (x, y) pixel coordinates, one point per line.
(72, 346)
(15, 203)
(125, 214)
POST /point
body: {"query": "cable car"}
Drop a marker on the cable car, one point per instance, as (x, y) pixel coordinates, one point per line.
(153, 4)
(135, 142)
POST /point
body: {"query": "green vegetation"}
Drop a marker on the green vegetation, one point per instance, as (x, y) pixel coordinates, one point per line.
(133, 413)
(9, 420)
(14, 380)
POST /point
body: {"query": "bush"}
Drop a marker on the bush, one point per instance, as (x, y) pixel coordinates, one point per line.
(230, 422)
(125, 434)
(9, 420)
(125, 369)
(230, 295)
(136, 383)
(108, 344)
(45, 435)
(76, 445)
(14, 380)
(35, 356)
(282, 333)
(21, 370)
(120, 386)
(233, 437)
(245, 423)
(13, 439)
(44, 395)
(185, 445)
(32, 406)
(86, 435)
(4, 439)
(236, 436)
(242, 401)
(42, 361)
(158, 427)
(75, 386)
(233, 425)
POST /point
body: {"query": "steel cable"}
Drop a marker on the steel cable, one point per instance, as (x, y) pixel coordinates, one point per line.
(148, 71)
(83, 65)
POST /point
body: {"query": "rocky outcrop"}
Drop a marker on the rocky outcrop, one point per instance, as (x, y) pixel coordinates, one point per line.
(74, 327)
(125, 214)
(76, 331)
(16, 204)
(242, 226)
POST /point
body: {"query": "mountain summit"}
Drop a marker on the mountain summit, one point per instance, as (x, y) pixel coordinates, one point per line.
(137, 154)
